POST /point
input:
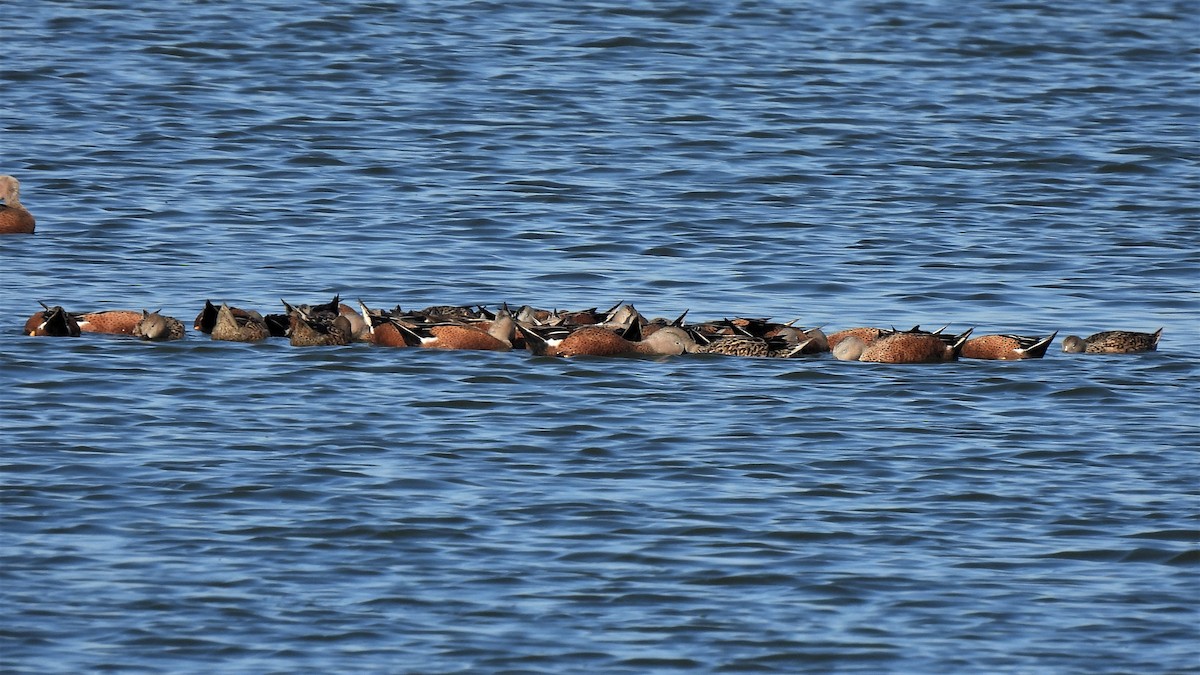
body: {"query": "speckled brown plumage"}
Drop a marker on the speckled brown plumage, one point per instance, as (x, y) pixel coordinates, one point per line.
(597, 341)
(113, 321)
(736, 345)
(911, 347)
(461, 337)
(156, 327)
(1113, 342)
(387, 334)
(1006, 347)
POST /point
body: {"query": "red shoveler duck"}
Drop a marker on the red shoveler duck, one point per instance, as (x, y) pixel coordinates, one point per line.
(14, 217)
(597, 341)
(154, 326)
(456, 336)
(233, 325)
(902, 347)
(867, 334)
(1113, 342)
(383, 327)
(53, 322)
(757, 338)
(1007, 347)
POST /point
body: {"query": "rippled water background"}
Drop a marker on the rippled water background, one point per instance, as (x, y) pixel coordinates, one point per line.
(200, 506)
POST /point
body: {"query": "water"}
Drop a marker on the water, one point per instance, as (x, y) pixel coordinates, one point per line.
(258, 508)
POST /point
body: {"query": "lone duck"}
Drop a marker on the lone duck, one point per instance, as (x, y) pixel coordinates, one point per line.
(1112, 342)
(14, 218)
(155, 326)
(1007, 347)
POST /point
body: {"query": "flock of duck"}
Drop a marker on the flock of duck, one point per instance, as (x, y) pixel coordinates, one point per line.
(619, 331)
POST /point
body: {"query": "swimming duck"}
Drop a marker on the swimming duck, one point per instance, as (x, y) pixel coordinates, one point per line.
(53, 322)
(867, 334)
(155, 326)
(111, 321)
(14, 217)
(383, 327)
(597, 341)
(458, 336)
(238, 325)
(207, 318)
(745, 345)
(1007, 347)
(1113, 342)
(902, 347)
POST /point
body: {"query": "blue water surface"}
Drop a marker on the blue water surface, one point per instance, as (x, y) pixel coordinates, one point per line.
(1009, 166)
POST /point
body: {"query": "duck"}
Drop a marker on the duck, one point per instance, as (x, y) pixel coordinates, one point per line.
(154, 326)
(1113, 342)
(207, 318)
(902, 347)
(598, 341)
(232, 325)
(309, 328)
(867, 334)
(110, 321)
(1007, 347)
(746, 345)
(582, 317)
(756, 338)
(14, 217)
(382, 327)
(455, 336)
(52, 321)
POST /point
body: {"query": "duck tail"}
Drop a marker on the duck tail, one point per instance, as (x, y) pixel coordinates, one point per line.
(1038, 349)
(959, 341)
(536, 344)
